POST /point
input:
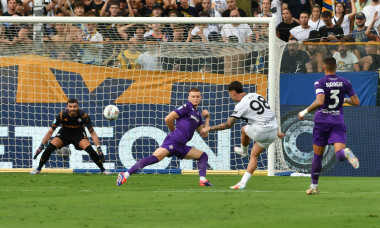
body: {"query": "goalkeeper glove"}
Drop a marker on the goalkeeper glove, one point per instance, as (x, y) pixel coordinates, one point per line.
(100, 153)
(39, 150)
(302, 114)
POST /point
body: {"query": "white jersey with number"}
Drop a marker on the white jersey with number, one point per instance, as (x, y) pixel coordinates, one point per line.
(256, 111)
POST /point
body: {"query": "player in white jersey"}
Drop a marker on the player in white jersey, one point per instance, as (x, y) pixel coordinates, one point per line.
(261, 128)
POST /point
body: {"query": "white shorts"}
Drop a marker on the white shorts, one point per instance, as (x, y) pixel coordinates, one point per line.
(264, 139)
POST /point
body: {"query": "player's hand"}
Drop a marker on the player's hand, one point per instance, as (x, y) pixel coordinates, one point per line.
(280, 134)
(302, 114)
(101, 154)
(205, 129)
(39, 150)
(205, 113)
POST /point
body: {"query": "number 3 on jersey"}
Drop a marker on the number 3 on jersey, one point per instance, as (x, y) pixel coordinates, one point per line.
(334, 97)
(259, 105)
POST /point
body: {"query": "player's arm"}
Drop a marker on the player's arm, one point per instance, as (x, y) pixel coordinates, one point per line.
(316, 104)
(226, 125)
(169, 120)
(206, 115)
(353, 100)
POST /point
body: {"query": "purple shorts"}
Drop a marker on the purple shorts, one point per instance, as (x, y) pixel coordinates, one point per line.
(175, 149)
(327, 133)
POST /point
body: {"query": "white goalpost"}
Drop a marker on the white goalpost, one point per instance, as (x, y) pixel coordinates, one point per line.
(143, 69)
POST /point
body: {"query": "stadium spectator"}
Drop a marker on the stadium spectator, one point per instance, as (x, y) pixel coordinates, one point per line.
(346, 61)
(296, 7)
(315, 21)
(242, 31)
(358, 34)
(329, 127)
(369, 12)
(48, 8)
(157, 33)
(231, 6)
(78, 8)
(372, 59)
(295, 60)
(137, 7)
(360, 4)
(96, 6)
(113, 7)
(181, 133)
(219, 5)
(12, 5)
(74, 121)
(276, 10)
(283, 29)
(257, 60)
(92, 50)
(157, 10)
(60, 48)
(128, 58)
(369, 32)
(329, 32)
(261, 128)
(204, 30)
(266, 11)
(149, 60)
(184, 9)
(207, 7)
(341, 18)
(147, 10)
(316, 58)
(302, 31)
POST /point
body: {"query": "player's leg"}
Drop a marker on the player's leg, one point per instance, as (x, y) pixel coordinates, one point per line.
(243, 149)
(157, 156)
(202, 158)
(85, 145)
(338, 138)
(257, 149)
(56, 143)
(316, 167)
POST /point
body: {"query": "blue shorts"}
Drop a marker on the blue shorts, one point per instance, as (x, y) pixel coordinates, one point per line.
(327, 133)
(175, 149)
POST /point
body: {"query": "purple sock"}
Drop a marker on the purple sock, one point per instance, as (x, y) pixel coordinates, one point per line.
(202, 164)
(316, 167)
(340, 155)
(142, 163)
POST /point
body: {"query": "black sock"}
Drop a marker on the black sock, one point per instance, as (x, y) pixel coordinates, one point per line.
(46, 155)
(95, 157)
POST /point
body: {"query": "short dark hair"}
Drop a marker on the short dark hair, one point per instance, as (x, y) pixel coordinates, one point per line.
(305, 12)
(233, 39)
(90, 14)
(236, 86)
(325, 14)
(78, 5)
(194, 90)
(115, 2)
(72, 100)
(330, 63)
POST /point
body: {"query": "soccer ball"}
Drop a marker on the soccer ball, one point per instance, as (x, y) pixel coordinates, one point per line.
(111, 112)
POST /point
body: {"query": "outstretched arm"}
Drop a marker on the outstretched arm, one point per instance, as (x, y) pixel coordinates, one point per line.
(169, 120)
(316, 104)
(226, 125)
(47, 136)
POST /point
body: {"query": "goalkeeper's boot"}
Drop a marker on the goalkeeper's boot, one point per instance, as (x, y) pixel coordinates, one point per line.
(121, 179)
(351, 158)
(35, 171)
(205, 183)
(238, 186)
(101, 156)
(107, 172)
(312, 191)
(241, 152)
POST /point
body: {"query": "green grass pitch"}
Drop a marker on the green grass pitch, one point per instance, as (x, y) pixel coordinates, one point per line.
(93, 200)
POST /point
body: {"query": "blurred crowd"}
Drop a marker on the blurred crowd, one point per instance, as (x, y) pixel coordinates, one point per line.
(134, 46)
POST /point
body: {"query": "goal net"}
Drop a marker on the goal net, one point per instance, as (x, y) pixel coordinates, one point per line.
(144, 66)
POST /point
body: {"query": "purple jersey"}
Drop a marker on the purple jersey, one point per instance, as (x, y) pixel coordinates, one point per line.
(335, 89)
(189, 120)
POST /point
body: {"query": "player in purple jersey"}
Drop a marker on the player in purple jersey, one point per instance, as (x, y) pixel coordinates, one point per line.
(73, 121)
(329, 125)
(188, 120)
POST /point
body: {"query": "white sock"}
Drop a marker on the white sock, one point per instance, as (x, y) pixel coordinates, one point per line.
(126, 174)
(245, 148)
(314, 186)
(202, 178)
(245, 178)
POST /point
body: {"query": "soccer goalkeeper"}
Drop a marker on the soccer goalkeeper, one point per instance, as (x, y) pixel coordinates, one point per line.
(73, 121)
(189, 119)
